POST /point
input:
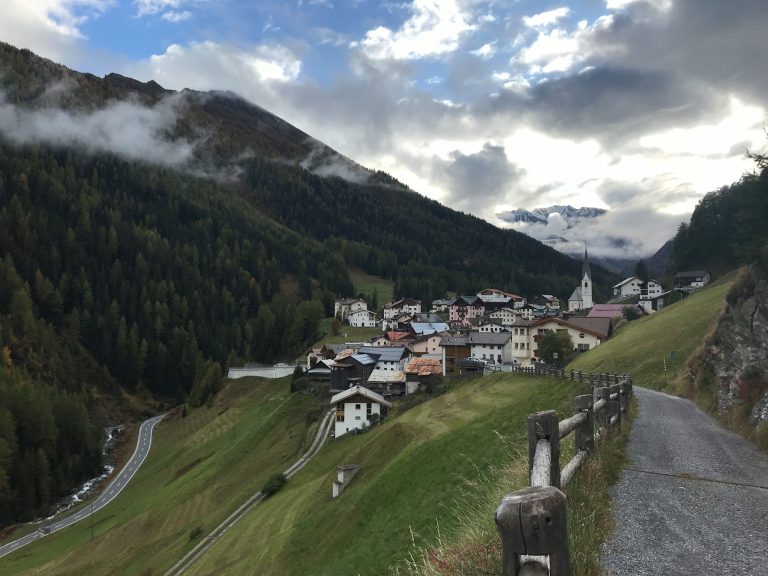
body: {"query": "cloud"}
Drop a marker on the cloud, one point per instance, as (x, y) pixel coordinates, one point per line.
(485, 51)
(477, 182)
(434, 29)
(51, 28)
(210, 66)
(174, 16)
(547, 18)
(129, 130)
(151, 7)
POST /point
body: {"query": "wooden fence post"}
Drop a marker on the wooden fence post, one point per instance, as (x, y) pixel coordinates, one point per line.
(624, 397)
(617, 406)
(604, 417)
(545, 426)
(571, 374)
(585, 434)
(533, 521)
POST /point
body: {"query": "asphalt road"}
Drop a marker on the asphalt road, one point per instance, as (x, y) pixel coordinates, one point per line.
(143, 444)
(323, 431)
(693, 500)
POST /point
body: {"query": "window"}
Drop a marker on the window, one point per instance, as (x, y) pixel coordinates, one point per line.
(357, 417)
(583, 347)
(586, 284)
(357, 406)
(581, 335)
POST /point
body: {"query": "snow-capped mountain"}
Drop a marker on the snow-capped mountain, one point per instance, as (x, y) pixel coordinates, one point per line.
(570, 214)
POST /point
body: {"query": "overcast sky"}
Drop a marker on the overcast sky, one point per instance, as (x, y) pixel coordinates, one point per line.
(640, 107)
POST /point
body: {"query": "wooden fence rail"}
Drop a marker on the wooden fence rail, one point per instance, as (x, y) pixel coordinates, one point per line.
(532, 522)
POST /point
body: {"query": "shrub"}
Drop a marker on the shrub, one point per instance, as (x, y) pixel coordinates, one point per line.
(195, 533)
(275, 483)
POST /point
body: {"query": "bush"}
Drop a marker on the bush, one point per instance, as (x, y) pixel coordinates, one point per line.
(195, 533)
(275, 483)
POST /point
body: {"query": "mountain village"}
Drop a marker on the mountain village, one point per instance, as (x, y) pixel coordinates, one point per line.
(468, 335)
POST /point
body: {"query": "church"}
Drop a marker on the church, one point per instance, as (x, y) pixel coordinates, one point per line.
(581, 299)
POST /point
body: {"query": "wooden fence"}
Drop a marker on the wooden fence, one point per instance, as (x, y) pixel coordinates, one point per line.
(532, 522)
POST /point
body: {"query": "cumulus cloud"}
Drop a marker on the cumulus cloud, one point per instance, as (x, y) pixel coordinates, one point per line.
(129, 130)
(51, 28)
(151, 7)
(547, 18)
(434, 29)
(174, 16)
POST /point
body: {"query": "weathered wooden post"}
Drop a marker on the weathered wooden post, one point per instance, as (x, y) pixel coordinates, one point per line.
(533, 522)
(585, 433)
(604, 418)
(571, 374)
(581, 377)
(544, 426)
(624, 397)
(617, 405)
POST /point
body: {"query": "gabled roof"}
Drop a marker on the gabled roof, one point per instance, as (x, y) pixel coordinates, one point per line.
(385, 353)
(403, 302)
(576, 296)
(600, 327)
(470, 300)
(364, 359)
(380, 375)
(690, 273)
(424, 367)
(608, 310)
(363, 392)
(626, 281)
(455, 341)
(429, 327)
(365, 311)
(489, 338)
(348, 301)
(394, 336)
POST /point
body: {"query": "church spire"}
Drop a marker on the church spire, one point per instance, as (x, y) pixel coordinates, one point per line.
(585, 269)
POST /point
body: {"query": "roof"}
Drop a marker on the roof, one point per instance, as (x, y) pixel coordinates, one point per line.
(346, 353)
(381, 375)
(600, 327)
(394, 336)
(428, 317)
(626, 281)
(363, 392)
(348, 301)
(364, 359)
(454, 341)
(429, 327)
(403, 302)
(489, 338)
(424, 367)
(689, 273)
(576, 296)
(469, 300)
(385, 353)
(608, 310)
(358, 312)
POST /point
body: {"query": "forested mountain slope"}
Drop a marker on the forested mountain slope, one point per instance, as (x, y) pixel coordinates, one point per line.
(148, 238)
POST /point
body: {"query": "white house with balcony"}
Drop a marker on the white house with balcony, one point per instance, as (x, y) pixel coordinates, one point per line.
(402, 306)
(628, 287)
(362, 319)
(343, 307)
(355, 407)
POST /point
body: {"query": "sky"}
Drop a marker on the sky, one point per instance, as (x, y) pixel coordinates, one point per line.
(636, 106)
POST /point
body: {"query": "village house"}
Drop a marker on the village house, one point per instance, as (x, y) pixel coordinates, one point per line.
(440, 305)
(421, 370)
(428, 344)
(427, 328)
(586, 333)
(356, 407)
(506, 315)
(455, 349)
(496, 348)
(386, 382)
(344, 306)
(465, 308)
(627, 287)
(399, 322)
(547, 300)
(491, 326)
(521, 341)
(362, 319)
(402, 306)
(650, 289)
(581, 299)
(692, 279)
(391, 358)
(612, 310)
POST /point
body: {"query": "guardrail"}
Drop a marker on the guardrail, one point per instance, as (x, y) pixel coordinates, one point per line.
(532, 522)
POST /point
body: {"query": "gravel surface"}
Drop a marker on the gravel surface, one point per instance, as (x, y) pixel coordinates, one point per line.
(693, 500)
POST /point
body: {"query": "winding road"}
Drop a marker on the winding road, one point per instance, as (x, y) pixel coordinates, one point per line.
(693, 500)
(143, 445)
(202, 547)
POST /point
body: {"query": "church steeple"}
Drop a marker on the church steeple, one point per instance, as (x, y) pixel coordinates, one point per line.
(585, 270)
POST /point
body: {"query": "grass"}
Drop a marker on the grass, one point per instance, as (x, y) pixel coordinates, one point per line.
(644, 346)
(416, 469)
(365, 283)
(200, 469)
(353, 334)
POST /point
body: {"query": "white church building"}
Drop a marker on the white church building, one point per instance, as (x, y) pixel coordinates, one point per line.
(581, 299)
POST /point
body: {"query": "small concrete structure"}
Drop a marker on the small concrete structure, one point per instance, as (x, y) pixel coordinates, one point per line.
(344, 477)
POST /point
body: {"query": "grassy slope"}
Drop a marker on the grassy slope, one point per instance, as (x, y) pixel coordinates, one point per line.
(642, 346)
(415, 468)
(365, 283)
(254, 428)
(352, 334)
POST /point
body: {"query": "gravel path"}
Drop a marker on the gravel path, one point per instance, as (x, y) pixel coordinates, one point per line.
(693, 500)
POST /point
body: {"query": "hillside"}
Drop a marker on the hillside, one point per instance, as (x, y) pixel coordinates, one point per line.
(150, 238)
(655, 348)
(415, 468)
